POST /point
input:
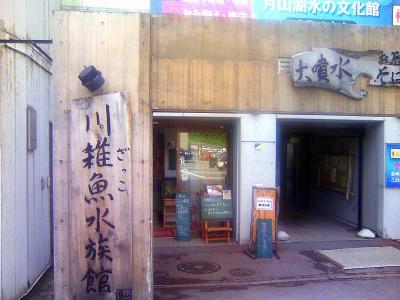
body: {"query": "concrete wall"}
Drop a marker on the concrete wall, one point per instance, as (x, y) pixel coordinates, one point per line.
(381, 205)
(373, 177)
(256, 167)
(391, 202)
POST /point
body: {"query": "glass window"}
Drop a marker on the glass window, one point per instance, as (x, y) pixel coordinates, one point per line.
(203, 160)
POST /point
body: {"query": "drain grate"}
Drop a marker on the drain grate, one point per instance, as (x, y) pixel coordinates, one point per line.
(241, 272)
(199, 267)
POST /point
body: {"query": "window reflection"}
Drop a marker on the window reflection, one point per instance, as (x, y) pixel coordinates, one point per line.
(203, 159)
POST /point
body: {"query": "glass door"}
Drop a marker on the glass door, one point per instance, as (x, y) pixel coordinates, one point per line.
(202, 161)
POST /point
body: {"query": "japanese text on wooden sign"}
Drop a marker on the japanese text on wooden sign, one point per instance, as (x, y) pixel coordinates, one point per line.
(338, 70)
(101, 180)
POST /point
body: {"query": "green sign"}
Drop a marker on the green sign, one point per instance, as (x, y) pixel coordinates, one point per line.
(182, 217)
(264, 238)
(216, 208)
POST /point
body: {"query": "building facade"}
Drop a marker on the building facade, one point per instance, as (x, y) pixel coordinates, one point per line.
(188, 77)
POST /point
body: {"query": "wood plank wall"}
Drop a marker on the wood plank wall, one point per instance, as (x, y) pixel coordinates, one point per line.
(118, 45)
(213, 64)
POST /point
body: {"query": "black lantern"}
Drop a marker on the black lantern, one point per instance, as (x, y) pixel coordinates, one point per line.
(91, 78)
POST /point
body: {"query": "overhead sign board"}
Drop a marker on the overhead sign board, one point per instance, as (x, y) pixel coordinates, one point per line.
(370, 12)
(363, 12)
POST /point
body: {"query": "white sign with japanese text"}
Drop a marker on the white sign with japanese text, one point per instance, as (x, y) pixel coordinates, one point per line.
(264, 203)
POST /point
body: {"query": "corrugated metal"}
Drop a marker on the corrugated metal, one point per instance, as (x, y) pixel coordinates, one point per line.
(26, 224)
(25, 206)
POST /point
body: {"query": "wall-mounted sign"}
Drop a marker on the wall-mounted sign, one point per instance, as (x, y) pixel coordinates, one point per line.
(396, 15)
(393, 165)
(372, 12)
(101, 204)
(338, 70)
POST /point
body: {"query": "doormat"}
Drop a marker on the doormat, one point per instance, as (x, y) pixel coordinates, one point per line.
(199, 267)
(364, 257)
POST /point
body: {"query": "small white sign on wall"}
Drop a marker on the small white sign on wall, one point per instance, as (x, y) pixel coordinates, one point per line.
(396, 15)
(264, 203)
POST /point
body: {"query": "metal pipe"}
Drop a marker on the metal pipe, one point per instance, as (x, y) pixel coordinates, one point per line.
(30, 58)
(360, 178)
(13, 41)
(32, 287)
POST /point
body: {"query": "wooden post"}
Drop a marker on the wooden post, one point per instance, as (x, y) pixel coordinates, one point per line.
(118, 45)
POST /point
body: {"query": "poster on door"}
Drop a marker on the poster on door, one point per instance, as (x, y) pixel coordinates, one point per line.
(393, 165)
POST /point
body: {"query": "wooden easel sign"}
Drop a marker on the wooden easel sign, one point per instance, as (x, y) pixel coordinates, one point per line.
(264, 207)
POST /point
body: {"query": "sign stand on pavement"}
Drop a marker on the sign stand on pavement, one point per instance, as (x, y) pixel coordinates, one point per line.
(265, 209)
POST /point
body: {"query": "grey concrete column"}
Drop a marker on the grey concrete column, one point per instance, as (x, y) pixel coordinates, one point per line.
(257, 163)
(391, 202)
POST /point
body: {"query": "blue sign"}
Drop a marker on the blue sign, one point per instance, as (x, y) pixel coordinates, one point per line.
(393, 165)
(371, 12)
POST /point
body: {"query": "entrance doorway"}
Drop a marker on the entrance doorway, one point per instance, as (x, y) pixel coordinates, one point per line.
(195, 156)
(320, 172)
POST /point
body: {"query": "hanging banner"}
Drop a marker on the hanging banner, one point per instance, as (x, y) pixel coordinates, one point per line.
(393, 165)
(377, 13)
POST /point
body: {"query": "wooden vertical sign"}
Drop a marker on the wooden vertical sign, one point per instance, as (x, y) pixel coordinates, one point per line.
(100, 200)
(264, 207)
